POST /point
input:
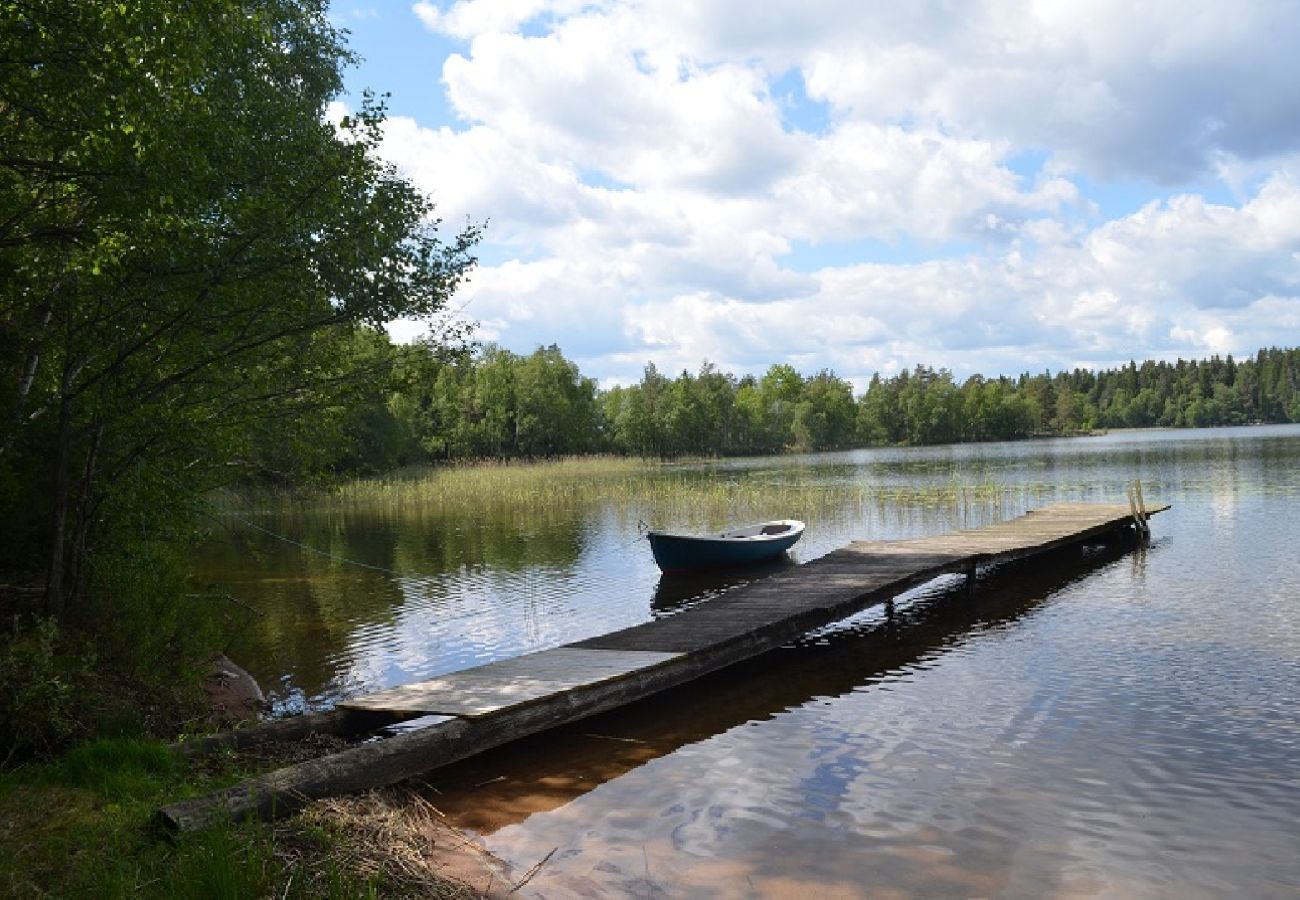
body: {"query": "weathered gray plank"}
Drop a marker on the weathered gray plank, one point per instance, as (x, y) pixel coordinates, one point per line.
(510, 682)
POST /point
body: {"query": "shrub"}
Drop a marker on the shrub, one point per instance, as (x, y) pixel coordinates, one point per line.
(40, 679)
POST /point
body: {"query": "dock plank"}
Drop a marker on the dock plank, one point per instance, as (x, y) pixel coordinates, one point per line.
(510, 682)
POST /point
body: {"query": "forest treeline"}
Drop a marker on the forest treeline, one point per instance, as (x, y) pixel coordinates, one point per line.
(486, 402)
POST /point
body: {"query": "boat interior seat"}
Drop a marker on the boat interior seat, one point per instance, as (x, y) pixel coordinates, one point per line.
(775, 529)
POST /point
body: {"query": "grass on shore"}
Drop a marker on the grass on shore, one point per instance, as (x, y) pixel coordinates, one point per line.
(80, 826)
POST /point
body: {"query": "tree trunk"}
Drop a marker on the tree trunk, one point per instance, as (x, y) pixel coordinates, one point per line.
(25, 382)
(85, 506)
(54, 593)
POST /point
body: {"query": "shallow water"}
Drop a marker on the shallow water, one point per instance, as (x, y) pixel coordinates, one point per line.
(1113, 724)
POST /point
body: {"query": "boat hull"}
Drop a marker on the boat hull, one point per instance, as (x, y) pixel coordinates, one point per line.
(676, 553)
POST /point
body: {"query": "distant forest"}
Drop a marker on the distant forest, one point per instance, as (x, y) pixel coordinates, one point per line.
(434, 404)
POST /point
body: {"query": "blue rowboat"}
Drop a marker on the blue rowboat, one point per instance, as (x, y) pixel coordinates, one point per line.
(738, 547)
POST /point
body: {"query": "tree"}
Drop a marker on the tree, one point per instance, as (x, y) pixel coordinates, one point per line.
(715, 393)
(638, 427)
(825, 418)
(685, 427)
(183, 233)
(750, 422)
(557, 410)
(878, 412)
(780, 389)
(1069, 411)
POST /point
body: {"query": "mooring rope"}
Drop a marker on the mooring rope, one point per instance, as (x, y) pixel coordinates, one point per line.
(642, 529)
(310, 549)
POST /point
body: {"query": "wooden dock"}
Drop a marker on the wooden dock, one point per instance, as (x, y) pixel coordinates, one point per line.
(486, 706)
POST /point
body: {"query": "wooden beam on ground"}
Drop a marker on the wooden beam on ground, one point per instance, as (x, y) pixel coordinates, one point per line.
(340, 722)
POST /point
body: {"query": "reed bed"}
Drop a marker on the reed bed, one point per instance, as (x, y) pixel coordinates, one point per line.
(694, 491)
(498, 484)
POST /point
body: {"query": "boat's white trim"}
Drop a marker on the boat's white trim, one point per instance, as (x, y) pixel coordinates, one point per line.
(747, 534)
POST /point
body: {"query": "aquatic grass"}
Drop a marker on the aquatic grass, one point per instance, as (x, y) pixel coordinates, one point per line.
(515, 513)
(532, 484)
(694, 491)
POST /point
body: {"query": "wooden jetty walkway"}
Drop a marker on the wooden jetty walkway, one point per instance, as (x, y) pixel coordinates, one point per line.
(467, 712)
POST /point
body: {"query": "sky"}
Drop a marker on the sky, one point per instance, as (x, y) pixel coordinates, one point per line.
(988, 187)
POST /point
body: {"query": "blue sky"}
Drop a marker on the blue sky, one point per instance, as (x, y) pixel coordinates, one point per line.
(854, 186)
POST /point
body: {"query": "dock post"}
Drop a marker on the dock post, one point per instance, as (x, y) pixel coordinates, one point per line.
(1142, 509)
(971, 569)
(1139, 523)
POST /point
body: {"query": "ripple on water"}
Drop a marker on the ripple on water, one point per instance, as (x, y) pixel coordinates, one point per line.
(1100, 743)
(1123, 725)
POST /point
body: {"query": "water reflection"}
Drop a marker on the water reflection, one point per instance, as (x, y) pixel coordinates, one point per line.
(386, 595)
(1125, 727)
(878, 645)
(346, 614)
(680, 591)
(1079, 739)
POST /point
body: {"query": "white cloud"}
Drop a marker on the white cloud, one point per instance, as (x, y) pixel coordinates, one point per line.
(1163, 90)
(1156, 89)
(648, 181)
(470, 18)
(885, 181)
(1150, 284)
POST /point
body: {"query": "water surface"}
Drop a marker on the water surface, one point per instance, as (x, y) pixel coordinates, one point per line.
(1115, 724)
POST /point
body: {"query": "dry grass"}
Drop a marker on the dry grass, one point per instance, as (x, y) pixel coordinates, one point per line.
(398, 838)
(392, 840)
(268, 756)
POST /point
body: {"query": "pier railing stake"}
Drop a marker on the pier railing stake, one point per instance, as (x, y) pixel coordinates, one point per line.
(1142, 508)
(1137, 506)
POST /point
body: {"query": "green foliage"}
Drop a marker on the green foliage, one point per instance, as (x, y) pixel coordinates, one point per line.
(490, 403)
(116, 769)
(132, 659)
(188, 244)
(78, 826)
(197, 266)
(824, 415)
(39, 682)
(918, 406)
(143, 618)
(714, 413)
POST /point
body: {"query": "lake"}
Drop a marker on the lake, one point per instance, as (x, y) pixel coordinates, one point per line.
(1118, 724)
